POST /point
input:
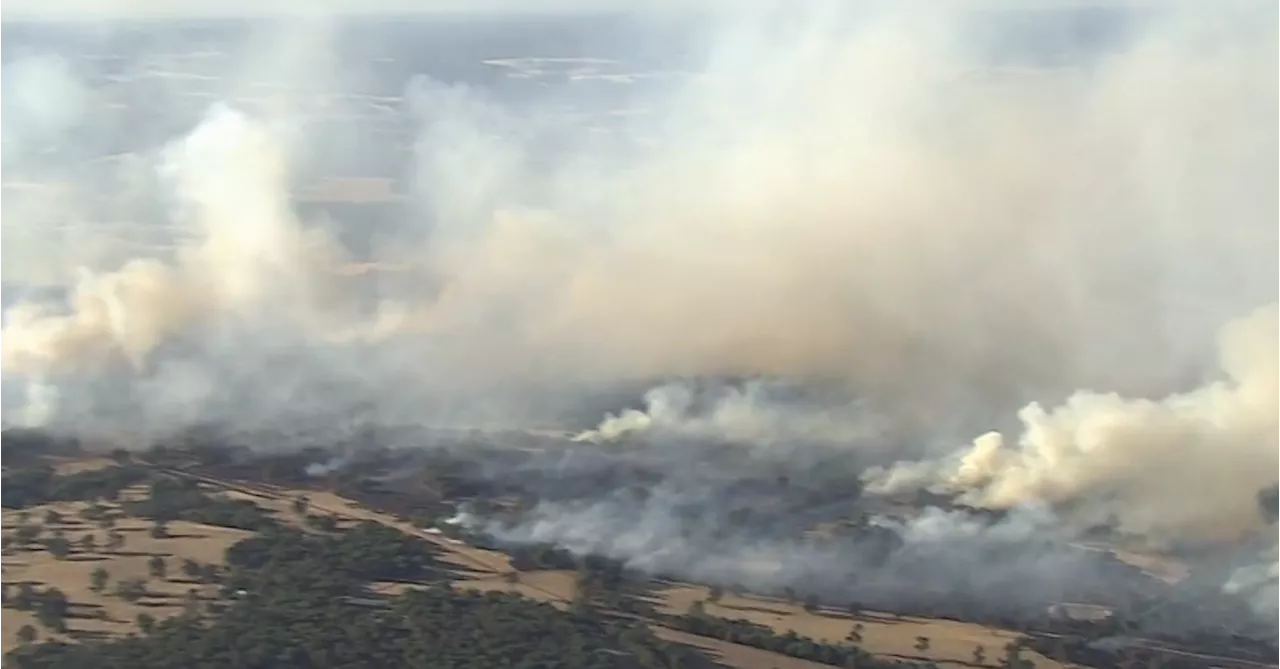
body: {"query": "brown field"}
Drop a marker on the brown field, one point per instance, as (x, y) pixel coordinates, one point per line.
(204, 543)
(951, 643)
(1164, 568)
(484, 571)
(65, 466)
(734, 654)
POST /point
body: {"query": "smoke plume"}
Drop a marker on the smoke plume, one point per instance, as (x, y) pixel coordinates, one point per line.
(824, 201)
(1136, 460)
(839, 235)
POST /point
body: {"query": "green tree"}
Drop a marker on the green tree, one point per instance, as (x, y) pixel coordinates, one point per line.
(300, 504)
(131, 590)
(511, 577)
(191, 603)
(922, 644)
(715, 594)
(979, 655)
(115, 541)
(697, 608)
(51, 610)
(159, 530)
(855, 634)
(322, 522)
(27, 634)
(24, 517)
(58, 546)
(584, 586)
(107, 522)
(191, 569)
(423, 519)
(146, 622)
(297, 585)
(156, 567)
(209, 573)
(52, 517)
(88, 544)
(1013, 656)
(93, 512)
(98, 579)
(25, 599)
(1059, 651)
(26, 534)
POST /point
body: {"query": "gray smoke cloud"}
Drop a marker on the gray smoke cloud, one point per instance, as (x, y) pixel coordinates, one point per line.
(846, 198)
(766, 414)
(948, 562)
(712, 252)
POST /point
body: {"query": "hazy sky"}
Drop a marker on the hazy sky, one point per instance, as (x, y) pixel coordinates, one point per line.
(61, 9)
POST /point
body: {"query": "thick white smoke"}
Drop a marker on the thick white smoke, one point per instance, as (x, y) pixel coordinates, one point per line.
(1185, 467)
(849, 197)
(937, 549)
(248, 257)
(749, 414)
(169, 340)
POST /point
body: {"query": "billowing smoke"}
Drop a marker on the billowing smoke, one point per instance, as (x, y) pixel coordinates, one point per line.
(247, 254)
(243, 257)
(885, 563)
(769, 414)
(1188, 466)
(893, 229)
(827, 199)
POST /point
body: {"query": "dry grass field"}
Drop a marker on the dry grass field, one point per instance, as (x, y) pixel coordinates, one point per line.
(951, 643)
(64, 466)
(484, 570)
(734, 654)
(98, 614)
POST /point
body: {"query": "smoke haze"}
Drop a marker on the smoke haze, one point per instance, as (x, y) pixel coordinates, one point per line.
(876, 236)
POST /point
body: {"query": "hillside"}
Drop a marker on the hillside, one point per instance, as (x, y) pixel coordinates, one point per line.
(165, 531)
(127, 548)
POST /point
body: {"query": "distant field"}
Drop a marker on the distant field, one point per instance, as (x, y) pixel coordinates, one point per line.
(736, 655)
(94, 615)
(951, 643)
(486, 567)
(203, 543)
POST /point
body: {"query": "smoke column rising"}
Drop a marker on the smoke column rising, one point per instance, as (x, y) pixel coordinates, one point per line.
(248, 249)
(848, 199)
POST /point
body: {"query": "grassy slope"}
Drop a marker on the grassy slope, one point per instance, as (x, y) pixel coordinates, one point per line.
(951, 642)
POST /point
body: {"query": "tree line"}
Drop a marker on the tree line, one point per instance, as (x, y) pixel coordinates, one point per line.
(299, 600)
